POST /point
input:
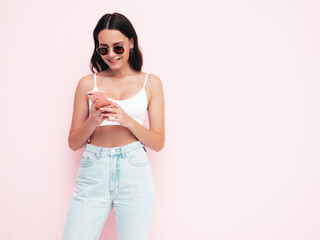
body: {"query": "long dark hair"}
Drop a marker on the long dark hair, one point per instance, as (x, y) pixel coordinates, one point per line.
(119, 22)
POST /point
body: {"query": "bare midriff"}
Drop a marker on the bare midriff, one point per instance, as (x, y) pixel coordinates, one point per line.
(112, 136)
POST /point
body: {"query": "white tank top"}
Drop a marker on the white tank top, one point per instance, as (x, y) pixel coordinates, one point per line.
(135, 107)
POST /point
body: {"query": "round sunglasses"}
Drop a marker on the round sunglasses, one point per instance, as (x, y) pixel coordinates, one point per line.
(105, 50)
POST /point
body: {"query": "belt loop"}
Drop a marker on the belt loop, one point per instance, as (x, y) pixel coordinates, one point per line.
(98, 152)
(123, 152)
(144, 147)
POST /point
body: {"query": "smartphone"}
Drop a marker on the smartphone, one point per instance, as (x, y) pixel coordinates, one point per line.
(99, 94)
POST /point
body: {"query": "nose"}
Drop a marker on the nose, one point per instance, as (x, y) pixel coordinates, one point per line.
(111, 53)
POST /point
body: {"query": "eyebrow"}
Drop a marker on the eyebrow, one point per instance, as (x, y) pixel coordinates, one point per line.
(107, 44)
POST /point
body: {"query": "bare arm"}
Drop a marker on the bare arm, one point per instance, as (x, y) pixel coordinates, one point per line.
(78, 137)
(153, 137)
(82, 127)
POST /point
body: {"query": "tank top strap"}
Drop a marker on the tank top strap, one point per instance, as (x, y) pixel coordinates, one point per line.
(145, 80)
(95, 82)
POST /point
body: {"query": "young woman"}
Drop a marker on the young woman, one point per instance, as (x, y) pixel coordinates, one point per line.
(114, 168)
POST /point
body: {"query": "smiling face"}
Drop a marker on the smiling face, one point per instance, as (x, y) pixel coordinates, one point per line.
(111, 38)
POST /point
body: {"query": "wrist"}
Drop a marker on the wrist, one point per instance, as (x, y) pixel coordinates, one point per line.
(131, 123)
(92, 122)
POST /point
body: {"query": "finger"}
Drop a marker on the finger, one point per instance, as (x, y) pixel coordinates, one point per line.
(109, 115)
(111, 119)
(106, 110)
(95, 103)
(114, 110)
(113, 103)
(103, 109)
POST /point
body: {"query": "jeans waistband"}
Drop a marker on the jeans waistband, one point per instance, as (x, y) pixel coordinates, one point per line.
(113, 150)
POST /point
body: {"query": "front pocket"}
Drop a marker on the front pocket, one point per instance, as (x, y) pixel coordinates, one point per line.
(138, 157)
(87, 159)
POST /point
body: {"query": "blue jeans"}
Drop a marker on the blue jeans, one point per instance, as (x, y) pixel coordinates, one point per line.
(118, 177)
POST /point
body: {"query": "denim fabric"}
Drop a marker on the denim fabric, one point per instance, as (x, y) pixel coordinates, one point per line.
(118, 177)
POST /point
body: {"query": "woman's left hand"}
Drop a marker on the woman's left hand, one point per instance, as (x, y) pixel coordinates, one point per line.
(117, 114)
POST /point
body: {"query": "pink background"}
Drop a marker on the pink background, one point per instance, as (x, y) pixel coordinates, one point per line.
(241, 83)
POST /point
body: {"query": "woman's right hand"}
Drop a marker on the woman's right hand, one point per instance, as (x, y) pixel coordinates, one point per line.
(97, 116)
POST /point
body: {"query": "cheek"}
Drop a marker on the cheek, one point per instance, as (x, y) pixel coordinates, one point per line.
(125, 56)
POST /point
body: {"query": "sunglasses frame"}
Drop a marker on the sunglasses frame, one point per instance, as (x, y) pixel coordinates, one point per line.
(108, 50)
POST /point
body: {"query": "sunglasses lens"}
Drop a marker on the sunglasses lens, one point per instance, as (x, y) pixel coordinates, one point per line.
(102, 51)
(118, 49)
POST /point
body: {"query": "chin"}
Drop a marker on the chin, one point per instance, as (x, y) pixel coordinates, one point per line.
(114, 67)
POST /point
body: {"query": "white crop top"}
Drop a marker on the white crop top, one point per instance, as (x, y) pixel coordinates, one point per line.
(135, 107)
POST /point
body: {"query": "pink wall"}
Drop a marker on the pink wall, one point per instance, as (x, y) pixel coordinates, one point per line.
(241, 82)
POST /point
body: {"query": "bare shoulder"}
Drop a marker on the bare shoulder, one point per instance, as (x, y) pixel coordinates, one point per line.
(86, 80)
(155, 86)
(154, 82)
(85, 84)
(153, 78)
